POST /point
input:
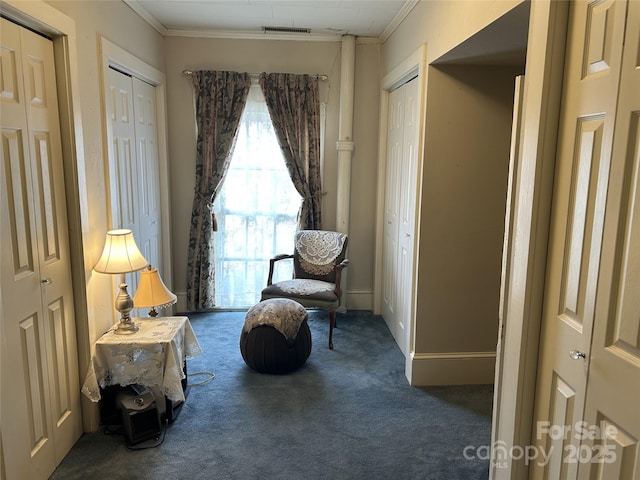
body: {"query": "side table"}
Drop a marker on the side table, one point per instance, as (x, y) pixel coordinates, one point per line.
(154, 357)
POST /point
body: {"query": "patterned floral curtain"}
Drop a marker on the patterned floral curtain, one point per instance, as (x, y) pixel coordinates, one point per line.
(220, 98)
(294, 107)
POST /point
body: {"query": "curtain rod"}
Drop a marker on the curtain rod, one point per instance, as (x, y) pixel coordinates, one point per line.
(256, 75)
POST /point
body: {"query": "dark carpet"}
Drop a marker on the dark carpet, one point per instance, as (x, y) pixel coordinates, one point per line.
(346, 414)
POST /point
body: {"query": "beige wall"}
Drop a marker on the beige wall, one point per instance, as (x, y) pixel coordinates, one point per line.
(279, 56)
(442, 25)
(461, 222)
(364, 177)
(463, 204)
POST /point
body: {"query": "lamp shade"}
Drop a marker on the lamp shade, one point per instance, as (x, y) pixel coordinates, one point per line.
(152, 292)
(120, 254)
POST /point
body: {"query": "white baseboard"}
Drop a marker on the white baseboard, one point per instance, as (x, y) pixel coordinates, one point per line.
(359, 300)
(451, 368)
(356, 300)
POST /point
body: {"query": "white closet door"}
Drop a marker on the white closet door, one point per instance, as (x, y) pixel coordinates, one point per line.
(399, 218)
(392, 208)
(406, 220)
(123, 166)
(133, 165)
(148, 184)
(40, 387)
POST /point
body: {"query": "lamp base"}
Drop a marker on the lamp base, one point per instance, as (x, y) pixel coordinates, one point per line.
(124, 305)
(126, 327)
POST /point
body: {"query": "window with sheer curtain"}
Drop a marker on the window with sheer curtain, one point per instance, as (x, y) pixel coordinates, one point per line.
(256, 210)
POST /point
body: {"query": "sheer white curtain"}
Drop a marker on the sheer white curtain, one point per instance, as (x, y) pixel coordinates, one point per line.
(256, 210)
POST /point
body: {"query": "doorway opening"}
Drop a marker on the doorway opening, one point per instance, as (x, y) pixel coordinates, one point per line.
(256, 211)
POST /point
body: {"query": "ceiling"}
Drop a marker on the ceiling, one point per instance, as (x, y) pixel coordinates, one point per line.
(503, 42)
(326, 19)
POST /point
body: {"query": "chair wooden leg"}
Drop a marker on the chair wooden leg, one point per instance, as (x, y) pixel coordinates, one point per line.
(332, 324)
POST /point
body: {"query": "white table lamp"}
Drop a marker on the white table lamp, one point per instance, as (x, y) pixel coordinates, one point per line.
(121, 255)
(152, 292)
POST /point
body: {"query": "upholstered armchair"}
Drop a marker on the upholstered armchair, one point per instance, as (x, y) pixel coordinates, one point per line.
(318, 260)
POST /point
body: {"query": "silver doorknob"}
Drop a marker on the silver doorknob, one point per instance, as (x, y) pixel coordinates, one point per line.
(47, 281)
(577, 355)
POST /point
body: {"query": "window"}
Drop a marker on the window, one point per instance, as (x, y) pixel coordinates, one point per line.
(256, 210)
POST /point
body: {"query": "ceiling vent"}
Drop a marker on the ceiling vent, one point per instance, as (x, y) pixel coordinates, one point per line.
(285, 30)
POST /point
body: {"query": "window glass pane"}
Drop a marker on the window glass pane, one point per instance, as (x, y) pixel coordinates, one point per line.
(256, 211)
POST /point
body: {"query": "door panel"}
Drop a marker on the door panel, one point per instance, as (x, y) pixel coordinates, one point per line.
(24, 381)
(149, 172)
(40, 386)
(56, 288)
(613, 394)
(392, 208)
(18, 197)
(400, 204)
(562, 407)
(123, 165)
(583, 225)
(593, 57)
(408, 187)
(134, 170)
(122, 159)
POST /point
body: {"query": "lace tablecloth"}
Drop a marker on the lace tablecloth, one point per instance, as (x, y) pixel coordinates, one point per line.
(153, 357)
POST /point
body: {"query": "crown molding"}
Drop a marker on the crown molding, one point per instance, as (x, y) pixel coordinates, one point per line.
(397, 20)
(137, 7)
(146, 16)
(245, 35)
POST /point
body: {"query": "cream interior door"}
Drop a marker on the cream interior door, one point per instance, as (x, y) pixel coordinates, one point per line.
(507, 247)
(613, 390)
(392, 209)
(592, 72)
(148, 197)
(400, 204)
(40, 387)
(133, 165)
(406, 225)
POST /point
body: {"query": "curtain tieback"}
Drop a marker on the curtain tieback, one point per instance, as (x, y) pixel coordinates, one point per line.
(316, 195)
(214, 221)
(209, 203)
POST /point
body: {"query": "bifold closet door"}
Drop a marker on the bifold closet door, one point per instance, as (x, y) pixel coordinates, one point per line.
(133, 164)
(587, 420)
(41, 418)
(399, 213)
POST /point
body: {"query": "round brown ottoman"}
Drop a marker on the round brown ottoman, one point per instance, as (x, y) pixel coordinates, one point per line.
(276, 337)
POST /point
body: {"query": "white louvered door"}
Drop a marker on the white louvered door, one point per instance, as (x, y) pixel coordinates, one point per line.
(41, 418)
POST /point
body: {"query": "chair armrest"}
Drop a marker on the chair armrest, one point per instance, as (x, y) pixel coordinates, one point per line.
(339, 267)
(272, 261)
